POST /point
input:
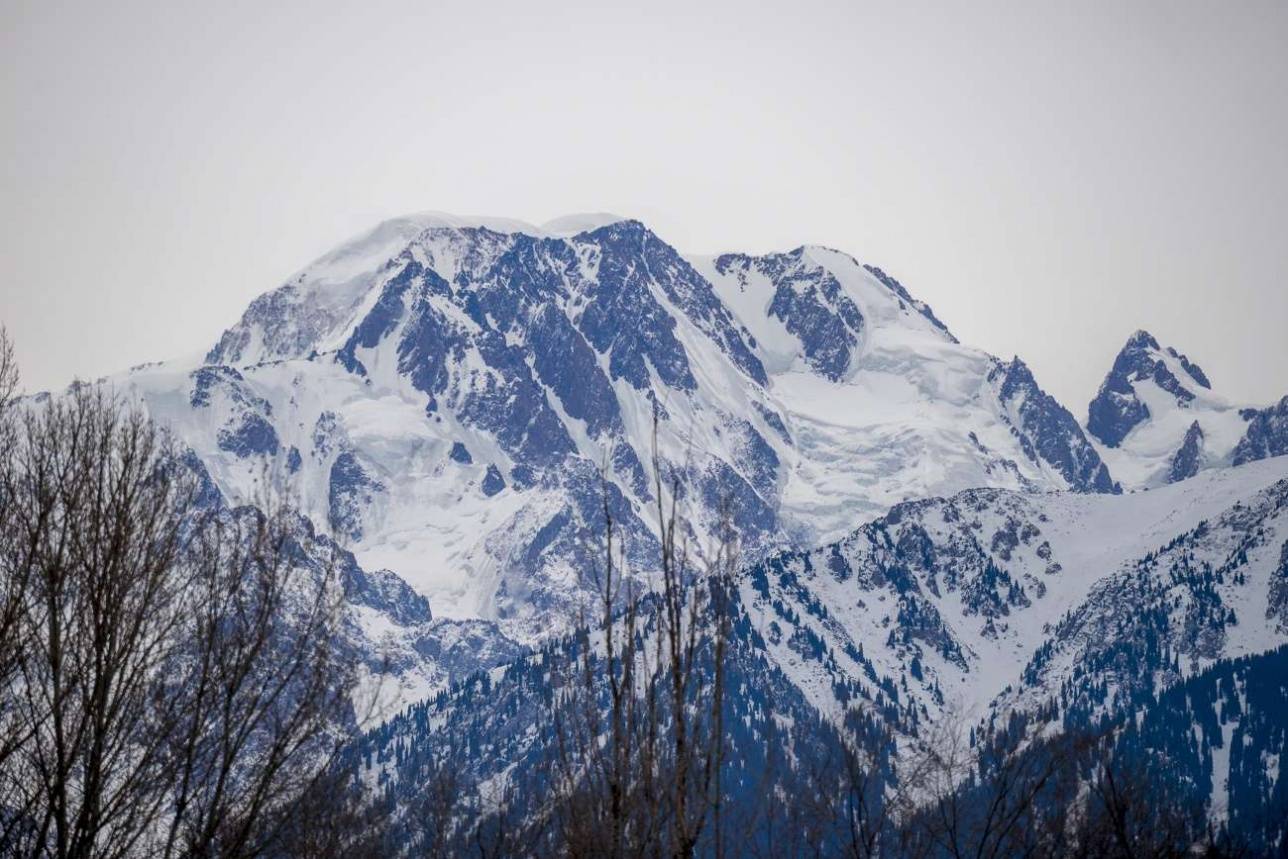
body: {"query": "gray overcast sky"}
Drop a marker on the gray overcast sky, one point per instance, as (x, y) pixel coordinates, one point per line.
(1049, 176)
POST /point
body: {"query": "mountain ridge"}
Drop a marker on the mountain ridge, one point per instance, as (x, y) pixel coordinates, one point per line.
(544, 357)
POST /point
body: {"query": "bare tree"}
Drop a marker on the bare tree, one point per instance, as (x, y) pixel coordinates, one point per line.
(1004, 797)
(10, 588)
(13, 587)
(694, 617)
(263, 683)
(639, 740)
(438, 810)
(1021, 793)
(9, 376)
(1126, 814)
(861, 800)
(605, 755)
(93, 533)
(173, 679)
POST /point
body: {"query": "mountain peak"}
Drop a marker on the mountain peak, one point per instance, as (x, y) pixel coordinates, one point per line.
(1142, 342)
(1160, 421)
(1141, 339)
(1143, 373)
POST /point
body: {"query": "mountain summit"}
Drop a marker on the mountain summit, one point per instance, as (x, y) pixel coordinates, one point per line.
(1119, 406)
(1159, 419)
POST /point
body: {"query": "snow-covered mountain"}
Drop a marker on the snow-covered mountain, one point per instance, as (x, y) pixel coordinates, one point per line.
(1158, 420)
(925, 530)
(442, 394)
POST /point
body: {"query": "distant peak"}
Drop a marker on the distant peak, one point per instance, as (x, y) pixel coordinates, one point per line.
(1118, 409)
(1142, 339)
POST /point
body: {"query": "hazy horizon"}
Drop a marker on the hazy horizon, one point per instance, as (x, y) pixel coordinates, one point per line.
(1048, 179)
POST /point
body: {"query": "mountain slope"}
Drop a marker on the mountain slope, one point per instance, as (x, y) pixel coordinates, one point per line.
(402, 652)
(991, 608)
(1220, 737)
(972, 601)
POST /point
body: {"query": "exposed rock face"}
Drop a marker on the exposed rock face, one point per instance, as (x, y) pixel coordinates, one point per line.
(1267, 433)
(810, 303)
(352, 491)
(1048, 433)
(1186, 462)
(1277, 607)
